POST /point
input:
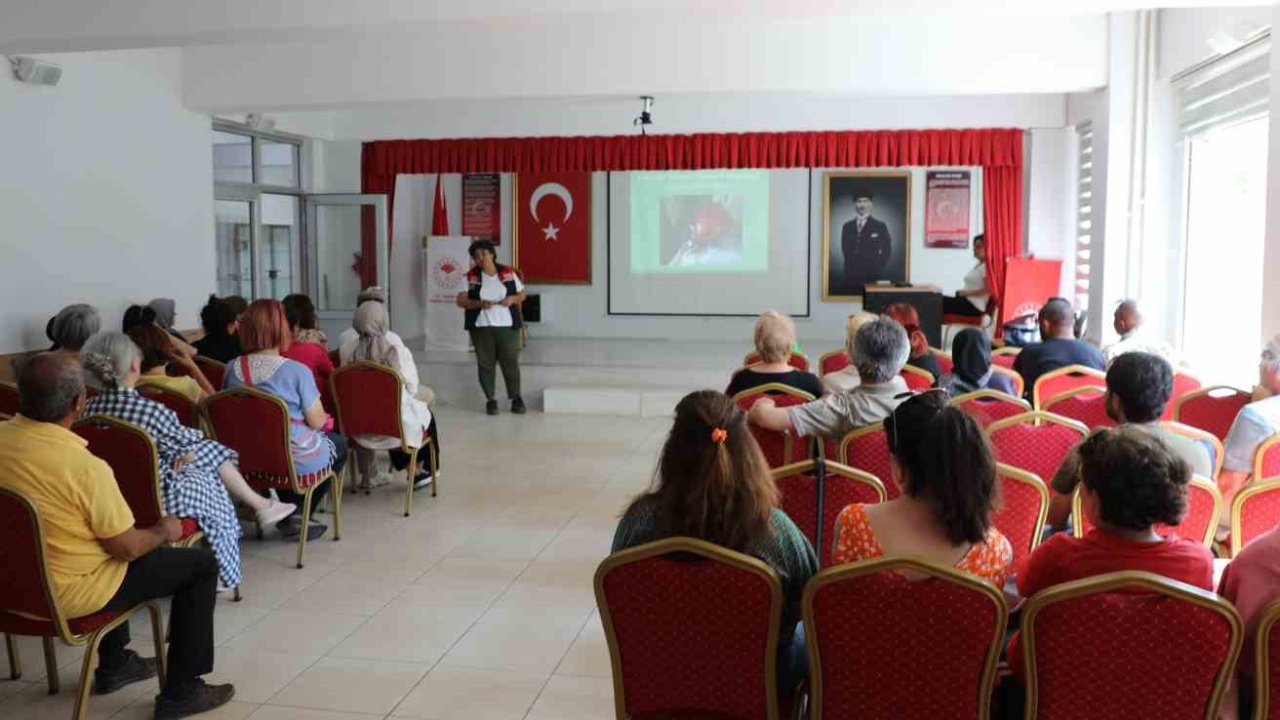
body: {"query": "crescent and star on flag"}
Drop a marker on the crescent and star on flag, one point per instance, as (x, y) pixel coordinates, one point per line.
(551, 232)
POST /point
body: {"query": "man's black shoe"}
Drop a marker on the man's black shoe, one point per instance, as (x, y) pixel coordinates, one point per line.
(200, 697)
(134, 669)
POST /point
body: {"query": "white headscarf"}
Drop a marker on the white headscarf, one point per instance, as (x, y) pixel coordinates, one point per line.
(371, 322)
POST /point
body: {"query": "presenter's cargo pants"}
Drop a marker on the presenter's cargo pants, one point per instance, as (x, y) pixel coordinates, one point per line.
(494, 346)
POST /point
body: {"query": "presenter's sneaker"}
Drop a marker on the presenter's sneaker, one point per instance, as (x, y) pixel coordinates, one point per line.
(135, 668)
(517, 406)
(491, 407)
(197, 697)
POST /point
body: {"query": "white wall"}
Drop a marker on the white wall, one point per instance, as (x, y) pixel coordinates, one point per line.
(1050, 186)
(1191, 35)
(106, 193)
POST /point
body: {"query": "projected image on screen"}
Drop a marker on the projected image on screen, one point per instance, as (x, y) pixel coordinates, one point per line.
(702, 230)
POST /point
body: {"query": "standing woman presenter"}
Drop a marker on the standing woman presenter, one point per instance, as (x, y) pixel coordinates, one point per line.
(492, 303)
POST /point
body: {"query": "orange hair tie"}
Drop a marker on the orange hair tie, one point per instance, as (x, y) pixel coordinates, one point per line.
(719, 435)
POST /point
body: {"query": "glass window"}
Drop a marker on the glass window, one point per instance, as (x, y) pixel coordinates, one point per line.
(278, 163)
(233, 223)
(280, 239)
(232, 157)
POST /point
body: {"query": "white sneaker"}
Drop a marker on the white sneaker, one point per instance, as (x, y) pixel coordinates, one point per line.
(274, 512)
(382, 478)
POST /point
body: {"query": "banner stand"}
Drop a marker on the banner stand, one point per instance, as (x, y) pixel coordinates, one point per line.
(444, 276)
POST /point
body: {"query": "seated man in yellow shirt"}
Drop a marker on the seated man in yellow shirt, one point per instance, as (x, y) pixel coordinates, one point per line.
(97, 559)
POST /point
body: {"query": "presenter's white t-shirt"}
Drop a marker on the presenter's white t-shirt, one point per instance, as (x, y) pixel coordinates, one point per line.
(976, 279)
(493, 290)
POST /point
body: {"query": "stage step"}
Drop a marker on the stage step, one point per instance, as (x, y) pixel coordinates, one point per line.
(646, 402)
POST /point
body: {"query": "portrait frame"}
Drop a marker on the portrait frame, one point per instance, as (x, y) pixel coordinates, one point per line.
(836, 186)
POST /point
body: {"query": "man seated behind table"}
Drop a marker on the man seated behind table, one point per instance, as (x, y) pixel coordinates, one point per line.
(97, 559)
(1127, 322)
(1138, 388)
(1058, 347)
(880, 350)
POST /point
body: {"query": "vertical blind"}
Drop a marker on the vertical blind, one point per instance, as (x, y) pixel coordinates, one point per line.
(1226, 90)
(1084, 215)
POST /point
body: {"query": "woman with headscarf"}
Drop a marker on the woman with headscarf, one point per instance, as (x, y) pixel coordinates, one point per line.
(921, 355)
(371, 344)
(166, 314)
(971, 366)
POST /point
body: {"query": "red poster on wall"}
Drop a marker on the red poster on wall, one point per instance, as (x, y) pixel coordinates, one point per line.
(481, 218)
(1028, 283)
(553, 227)
(946, 220)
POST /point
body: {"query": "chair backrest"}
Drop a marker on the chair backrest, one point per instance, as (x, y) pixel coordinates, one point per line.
(1212, 409)
(1004, 356)
(1087, 404)
(188, 412)
(945, 363)
(1056, 382)
(1266, 664)
(780, 448)
(1024, 506)
(796, 360)
(916, 378)
(1255, 510)
(213, 370)
(867, 449)
(1184, 383)
(368, 396)
(1266, 460)
(1127, 645)
(1036, 442)
(1204, 507)
(901, 638)
(9, 399)
(675, 644)
(834, 361)
(256, 426)
(27, 590)
(1210, 442)
(844, 486)
(1019, 385)
(988, 406)
(134, 461)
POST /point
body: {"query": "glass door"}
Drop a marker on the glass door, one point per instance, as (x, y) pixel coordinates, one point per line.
(347, 249)
(234, 224)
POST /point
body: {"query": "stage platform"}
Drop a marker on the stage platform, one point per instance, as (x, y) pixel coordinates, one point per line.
(605, 377)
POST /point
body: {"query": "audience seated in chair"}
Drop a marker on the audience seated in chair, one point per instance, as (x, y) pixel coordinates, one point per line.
(373, 293)
(264, 331)
(921, 354)
(310, 346)
(1131, 480)
(165, 316)
(712, 483)
(220, 322)
(198, 477)
(880, 351)
(1256, 422)
(941, 459)
(1058, 348)
(72, 326)
(1251, 582)
(1138, 388)
(847, 378)
(1127, 322)
(971, 366)
(775, 336)
(158, 353)
(372, 345)
(98, 560)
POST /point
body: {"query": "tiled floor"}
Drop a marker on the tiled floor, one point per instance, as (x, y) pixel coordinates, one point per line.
(478, 607)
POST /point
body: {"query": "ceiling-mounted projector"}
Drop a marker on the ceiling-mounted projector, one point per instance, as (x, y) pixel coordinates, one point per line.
(35, 72)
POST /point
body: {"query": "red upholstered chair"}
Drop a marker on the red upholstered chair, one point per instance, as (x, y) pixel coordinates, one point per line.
(1083, 640)
(1056, 382)
(945, 363)
(256, 425)
(834, 361)
(1184, 383)
(27, 594)
(1255, 510)
(867, 449)
(678, 650)
(901, 639)
(1004, 356)
(988, 406)
(1266, 461)
(1023, 510)
(1019, 385)
(1204, 507)
(213, 370)
(1087, 405)
(1266, 664)
(187, 411)
(780, 448)
(368, 396)
(797, 360)
(844, 486)
(1212, 409)
(9, 400)
(1210, 442)
(1037, 442)
(951, 321)
(916, 378)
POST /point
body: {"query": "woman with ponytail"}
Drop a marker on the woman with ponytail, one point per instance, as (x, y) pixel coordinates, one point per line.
(712, 483)
(946, 470)
(198, 477)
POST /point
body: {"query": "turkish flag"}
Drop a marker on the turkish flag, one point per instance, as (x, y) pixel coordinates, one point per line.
(553, 227)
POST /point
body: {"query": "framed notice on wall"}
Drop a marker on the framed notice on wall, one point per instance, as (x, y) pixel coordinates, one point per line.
(946, 219)
(481, 207)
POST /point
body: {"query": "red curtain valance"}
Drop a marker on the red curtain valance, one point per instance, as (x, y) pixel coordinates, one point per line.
(998, 151)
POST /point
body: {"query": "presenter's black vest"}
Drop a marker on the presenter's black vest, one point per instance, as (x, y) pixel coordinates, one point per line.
(474, 281)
